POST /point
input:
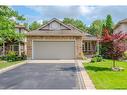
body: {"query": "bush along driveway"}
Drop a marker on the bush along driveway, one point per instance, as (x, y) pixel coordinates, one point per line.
(104, 78)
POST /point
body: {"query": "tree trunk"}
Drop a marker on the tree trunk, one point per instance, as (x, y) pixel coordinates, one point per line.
(98, 48)
(114, 63)
(3, 49)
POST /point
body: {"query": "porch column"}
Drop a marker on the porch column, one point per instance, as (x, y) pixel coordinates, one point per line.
(25, 48)
(19, 49)
(91, 49)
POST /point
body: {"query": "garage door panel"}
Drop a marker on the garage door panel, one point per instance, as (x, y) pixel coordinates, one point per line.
(53, 50)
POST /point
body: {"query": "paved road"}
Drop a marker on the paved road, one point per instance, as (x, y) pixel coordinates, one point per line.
(41, 76)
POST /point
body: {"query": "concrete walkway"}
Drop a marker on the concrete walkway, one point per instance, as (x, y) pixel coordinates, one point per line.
(51, 61)
(86, 79)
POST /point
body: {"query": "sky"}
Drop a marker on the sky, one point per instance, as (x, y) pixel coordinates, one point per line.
(85, 13)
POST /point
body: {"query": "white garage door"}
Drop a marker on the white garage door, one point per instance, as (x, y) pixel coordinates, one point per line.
(53, 50)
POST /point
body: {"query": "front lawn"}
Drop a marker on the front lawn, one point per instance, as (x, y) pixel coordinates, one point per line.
(104, 78)
(4, 64)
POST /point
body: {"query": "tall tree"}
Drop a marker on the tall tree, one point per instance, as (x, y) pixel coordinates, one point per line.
(96, 28)
(7, 25)
(75, 22)
(109, 23)
(34, 25)
(116, 46)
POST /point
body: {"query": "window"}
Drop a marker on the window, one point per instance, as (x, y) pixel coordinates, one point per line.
(16, 48)
(89, 45)
(85, 46)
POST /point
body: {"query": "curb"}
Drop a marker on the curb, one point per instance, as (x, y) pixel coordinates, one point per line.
(11, 67)
(85, 77)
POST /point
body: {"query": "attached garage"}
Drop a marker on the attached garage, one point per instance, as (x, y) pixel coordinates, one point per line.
(53, 41)
(53, 50)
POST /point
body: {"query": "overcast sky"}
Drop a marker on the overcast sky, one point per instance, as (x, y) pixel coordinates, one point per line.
(85, 13)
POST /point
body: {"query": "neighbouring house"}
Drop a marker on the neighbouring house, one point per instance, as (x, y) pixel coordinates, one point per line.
(121, 27)
(19, 48)
(55, 40)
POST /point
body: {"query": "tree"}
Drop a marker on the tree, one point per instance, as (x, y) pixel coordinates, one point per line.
(109, 23)
(7, 25)
(34, 25)
(45, 22)
(96, 28)
(109, 26)
(75, 22)
(116, 47)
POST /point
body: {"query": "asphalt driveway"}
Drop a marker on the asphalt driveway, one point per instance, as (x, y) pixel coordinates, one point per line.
(41, 76)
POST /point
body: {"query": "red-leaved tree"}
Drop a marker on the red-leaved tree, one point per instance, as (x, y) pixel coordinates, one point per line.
(117, 44)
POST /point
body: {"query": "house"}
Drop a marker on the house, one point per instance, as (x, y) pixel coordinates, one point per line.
(55, 40)
(121, 27)
(19, 48)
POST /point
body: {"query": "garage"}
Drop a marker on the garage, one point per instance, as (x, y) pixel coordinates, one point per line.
(53, 50)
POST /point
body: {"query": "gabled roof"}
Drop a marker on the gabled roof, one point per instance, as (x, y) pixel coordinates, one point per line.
(21, 26)
(86, 36)
(68, 32)
(54, 33)
(120, 22)
(71, 31)
(54, 19)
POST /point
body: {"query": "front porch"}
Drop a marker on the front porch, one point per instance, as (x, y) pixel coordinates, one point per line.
(18, 48)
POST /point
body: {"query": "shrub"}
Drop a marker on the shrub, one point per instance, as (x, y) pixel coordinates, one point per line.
(97, 58)
(23, 56)
(11, 56)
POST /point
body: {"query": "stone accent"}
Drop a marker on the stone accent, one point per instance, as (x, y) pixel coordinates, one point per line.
(77, 39)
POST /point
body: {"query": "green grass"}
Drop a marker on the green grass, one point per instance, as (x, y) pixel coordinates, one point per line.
(7, 64)
(104, 78)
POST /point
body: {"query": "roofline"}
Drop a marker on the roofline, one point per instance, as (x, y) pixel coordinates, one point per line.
(53, 35)
(54, 19)
(22, 27)
(80, 30)
(119, 23)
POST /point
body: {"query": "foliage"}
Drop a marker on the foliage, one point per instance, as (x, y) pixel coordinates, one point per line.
(8, 18)
(97, 58)
(116, 48)
(12, 56)
(109, 26)
(75, 22)
(34, 25)
(45, 22)
(96, 28)
(109, 23)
